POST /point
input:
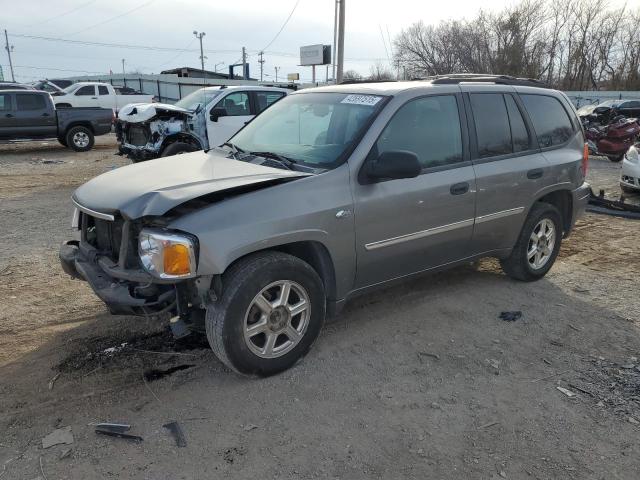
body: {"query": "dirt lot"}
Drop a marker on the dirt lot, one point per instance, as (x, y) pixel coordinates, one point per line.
(420, 381)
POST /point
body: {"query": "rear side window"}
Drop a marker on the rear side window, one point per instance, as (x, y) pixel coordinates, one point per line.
(492, 124)
(87, 90)
(519, 133)
(5, 102)
(26, 101)
(102, 90)
(428, 127)
(550, 120)
(264, 99)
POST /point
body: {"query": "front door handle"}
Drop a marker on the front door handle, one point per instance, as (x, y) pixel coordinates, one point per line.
(459, 188)
(94, 98)
(8, 115)
(45, 114)
(535, 173)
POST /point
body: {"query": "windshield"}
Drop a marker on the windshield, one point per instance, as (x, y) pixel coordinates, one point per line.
(71, 88)
(200, 97)
(315, 129)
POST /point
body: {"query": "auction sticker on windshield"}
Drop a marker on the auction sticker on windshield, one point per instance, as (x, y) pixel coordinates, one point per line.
(369, 100)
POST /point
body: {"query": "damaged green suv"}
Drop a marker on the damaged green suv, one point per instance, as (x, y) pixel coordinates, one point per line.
(327, 194)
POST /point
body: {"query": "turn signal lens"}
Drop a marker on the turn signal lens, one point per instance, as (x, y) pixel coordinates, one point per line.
(176, 260)
(585, 160)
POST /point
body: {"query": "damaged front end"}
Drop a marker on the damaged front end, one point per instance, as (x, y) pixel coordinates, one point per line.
(135, 267)
(144, 130)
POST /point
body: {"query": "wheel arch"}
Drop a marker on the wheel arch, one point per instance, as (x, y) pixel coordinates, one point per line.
(79, 124)
(180, 137)
(562, 199)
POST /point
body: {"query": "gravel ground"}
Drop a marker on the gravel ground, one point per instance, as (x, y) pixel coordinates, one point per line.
(422, 380)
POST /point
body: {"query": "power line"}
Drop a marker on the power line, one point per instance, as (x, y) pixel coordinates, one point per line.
(64, 14)
(384, 42)
(283, 25)
(113, 18)
(57, 69)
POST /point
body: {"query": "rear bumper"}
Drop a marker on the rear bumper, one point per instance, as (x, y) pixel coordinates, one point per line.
(124, 291)
(580, 200)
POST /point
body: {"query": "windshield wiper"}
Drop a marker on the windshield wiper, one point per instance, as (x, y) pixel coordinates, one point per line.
(286, 161)
(234, 149)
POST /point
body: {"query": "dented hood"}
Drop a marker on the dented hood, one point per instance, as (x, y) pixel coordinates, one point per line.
(141, 112)
(156, 186)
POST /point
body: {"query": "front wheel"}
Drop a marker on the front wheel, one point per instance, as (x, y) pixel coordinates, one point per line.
(270, 312)
(537, 246)
(178, 148)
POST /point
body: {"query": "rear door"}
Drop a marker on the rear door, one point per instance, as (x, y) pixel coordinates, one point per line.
(85, 96)
(237, 112)
(510, 170)
(105, 99)
(34, 116)
(409, 225)
(7, 115)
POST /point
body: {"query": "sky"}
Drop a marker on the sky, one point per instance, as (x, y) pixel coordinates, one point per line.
(155, 35)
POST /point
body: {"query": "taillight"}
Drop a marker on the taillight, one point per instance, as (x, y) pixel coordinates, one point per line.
(585, 160)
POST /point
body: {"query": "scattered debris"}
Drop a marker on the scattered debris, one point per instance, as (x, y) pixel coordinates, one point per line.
(117, 430)
(567, 392)
(550, 376)
(574, 328)
(156, 374)
(53, 380)
(112, 350)
(495, 364)
(249, 427)
(176, 431)
(58, 437)
(42, 470)
(427, 354)
(65, 453)
(230, 454)
(634, 421)
(487, 425)
(575, 387)
(548, 362)
(511, 316)
(556, 343)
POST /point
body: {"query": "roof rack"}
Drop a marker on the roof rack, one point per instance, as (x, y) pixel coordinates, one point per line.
(353, 82)
(483, 78)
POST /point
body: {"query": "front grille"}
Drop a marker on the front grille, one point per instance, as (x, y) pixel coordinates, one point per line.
(138, 135)
(103, 235)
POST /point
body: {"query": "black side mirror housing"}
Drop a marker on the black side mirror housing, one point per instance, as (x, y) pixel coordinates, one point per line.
(393, 164)
(216, 113)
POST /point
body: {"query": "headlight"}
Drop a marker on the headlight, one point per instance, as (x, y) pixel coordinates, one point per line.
(167, 255)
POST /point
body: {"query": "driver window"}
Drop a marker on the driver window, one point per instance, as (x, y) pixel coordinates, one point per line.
(428, 127)
(87, 90)
(235, 104)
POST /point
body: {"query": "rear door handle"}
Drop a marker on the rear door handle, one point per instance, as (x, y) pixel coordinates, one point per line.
(535, 173)
(94, 98)
(8, 115)
(45, 114)
(459, 188)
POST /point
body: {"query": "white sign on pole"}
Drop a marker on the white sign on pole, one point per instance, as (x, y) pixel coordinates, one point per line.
(312, 55)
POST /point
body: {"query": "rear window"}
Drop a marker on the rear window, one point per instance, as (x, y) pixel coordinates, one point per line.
(26, 101)
(102, 90)
(264, 99)
(550, 120)
(87, 90)
(492, 124)
(5, 102)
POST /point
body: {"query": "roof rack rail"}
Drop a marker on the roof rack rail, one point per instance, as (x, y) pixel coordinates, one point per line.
(484, 78)
(353, 82)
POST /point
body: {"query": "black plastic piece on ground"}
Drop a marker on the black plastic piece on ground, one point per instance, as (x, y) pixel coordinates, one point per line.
(511, 316)
(155, 374)
(116, 430)
(176, 431)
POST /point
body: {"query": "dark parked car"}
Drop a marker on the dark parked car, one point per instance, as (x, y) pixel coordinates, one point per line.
(605, 112)
(31, 115)
(15, 86)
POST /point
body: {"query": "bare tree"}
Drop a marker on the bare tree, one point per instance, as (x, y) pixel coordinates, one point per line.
(380, 72)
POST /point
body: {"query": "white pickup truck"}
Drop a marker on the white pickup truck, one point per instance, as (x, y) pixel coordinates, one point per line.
(96, 94)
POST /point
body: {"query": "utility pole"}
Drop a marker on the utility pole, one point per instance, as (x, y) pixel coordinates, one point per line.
(9, 49)
(215, 67)
(123, 67)
(335, 40)
(202, 57)
(261, 62)
(277, 68)
(340, 43)
(244, 63)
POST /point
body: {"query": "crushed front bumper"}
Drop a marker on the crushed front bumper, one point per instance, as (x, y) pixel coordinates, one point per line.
(124, 291)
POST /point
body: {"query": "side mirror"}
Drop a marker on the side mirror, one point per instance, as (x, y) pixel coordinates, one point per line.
(394, 164)
(216, 113)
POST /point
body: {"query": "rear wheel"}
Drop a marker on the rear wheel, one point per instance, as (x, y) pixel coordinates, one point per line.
(79, 139)
(270, 312)
(178, 148)
(616, 158)
(537, 246)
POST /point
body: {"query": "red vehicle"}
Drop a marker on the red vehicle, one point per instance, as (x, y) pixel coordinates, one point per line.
(613, 140)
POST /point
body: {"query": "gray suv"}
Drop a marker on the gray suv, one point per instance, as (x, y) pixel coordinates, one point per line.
(329, 193)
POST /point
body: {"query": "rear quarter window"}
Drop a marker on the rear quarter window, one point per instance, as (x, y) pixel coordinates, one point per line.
(550, 119)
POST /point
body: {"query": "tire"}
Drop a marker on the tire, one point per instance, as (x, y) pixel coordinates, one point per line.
(177, 148)
(518, 265)
(616, 159)
(63, 141)
(227, 318)
(80, 138)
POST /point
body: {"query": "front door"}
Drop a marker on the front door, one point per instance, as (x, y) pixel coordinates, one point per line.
(85, 96)
(410, 225)
(7, 116)
(34, 116)
(236, 111)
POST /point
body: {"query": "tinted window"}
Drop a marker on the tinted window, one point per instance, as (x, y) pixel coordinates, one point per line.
(550, 119)
(87, 90)
(25, 101)
(5, 102)
(236, 104)
(519, 134)
(264, 99)
(428, 127)
(102, 90)
(492, 124)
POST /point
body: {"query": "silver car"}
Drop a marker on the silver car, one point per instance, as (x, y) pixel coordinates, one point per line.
(330, 193)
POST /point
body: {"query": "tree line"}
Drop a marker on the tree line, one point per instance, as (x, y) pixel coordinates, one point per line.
(570, 44)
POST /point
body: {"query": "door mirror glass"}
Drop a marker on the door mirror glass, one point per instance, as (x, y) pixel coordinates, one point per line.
(216, 113)
(394, 164)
